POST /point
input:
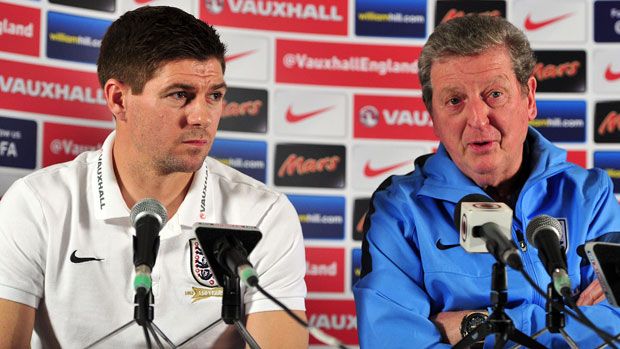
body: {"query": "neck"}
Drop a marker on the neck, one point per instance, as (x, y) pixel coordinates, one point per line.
(138, 181)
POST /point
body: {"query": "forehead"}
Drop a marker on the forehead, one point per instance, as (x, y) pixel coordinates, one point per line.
(188, 69)
(491, 65)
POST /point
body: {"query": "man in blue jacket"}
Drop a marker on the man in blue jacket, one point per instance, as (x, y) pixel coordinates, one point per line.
(418, 286)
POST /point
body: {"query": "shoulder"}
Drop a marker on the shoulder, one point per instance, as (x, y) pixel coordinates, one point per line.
(60, 177)
(238, 188)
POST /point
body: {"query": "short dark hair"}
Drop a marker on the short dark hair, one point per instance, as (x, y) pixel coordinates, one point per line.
(471, 35)
(140, 41)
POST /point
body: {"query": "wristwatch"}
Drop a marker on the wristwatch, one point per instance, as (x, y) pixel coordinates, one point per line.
(471, 321)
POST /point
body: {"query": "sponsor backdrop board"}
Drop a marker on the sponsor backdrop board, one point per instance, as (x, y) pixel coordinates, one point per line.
(324, 101)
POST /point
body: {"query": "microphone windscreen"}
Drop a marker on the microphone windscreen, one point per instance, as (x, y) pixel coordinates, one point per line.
(538, 224)
(467, 198)
(151, 207)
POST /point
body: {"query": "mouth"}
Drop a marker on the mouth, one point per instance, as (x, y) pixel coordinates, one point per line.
(481, 146)
(196, 142)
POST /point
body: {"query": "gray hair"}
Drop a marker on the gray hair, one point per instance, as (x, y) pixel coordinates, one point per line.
(471, 35)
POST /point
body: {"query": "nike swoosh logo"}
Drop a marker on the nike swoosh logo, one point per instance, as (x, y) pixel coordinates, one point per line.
(142, 1)
(76, 259)
(531, 25)
(445, 247)
(238, 55)
(293, 117)
(373, 172)
(611, 75)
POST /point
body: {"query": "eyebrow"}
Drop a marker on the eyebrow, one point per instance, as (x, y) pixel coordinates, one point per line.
(188, 87)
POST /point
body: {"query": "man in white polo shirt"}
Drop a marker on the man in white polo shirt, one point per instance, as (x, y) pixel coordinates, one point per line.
(66, 250)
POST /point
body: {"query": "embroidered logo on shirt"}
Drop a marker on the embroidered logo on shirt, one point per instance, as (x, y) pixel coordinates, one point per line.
(442, 247)
(202, 274)
(76, 259)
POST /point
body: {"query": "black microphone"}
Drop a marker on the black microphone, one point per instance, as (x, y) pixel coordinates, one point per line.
(231, 255)
(478, 217)
(543, 232)
(148, 216)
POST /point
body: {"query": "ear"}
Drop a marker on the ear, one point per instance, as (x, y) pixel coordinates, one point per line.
(116, 97)
(532, 111)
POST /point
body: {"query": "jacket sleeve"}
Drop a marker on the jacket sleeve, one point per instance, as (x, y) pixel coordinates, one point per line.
(603, 214)
(391, 303)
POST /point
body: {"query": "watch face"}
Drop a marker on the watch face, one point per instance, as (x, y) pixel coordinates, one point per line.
(474, 320)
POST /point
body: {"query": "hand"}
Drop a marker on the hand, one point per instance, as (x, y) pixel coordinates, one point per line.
(449, 324)
(593, 294)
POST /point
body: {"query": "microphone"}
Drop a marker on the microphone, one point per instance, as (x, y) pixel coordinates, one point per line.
(148, 216)
(231, 255)
(485, 225)
(226, 248)
(543, 232)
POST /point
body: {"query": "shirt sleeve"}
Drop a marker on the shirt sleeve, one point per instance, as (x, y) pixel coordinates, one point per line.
(392, 306)
(279, 260)
(22, 245)
(604, 217)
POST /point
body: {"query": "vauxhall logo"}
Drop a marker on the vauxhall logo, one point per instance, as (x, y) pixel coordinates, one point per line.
(369, 116)
(100, 181)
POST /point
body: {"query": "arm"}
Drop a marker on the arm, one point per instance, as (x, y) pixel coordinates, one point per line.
(392, 305)
(16, 324)
(22, 251)
(600, 208)
(280, 262)
(275, 329)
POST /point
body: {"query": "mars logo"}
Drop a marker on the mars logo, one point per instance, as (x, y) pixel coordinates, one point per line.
(610, 124)
(369, 116)
(360, 210)
(560, 71)
(392, 117)
(214, 6)
(607, 122)
(244, 110)
(298, 165)
(310, 165)
(552, 71)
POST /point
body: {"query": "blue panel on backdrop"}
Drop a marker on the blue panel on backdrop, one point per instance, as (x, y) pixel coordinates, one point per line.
(321, 217)
(74, 38)
(18, 143)
(561, 121)
(249, 157)
(391, 18)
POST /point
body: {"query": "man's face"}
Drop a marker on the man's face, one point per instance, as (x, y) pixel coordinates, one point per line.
(172, 123)
(481, 113)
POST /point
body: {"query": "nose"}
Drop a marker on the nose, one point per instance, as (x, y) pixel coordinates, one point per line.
(199, 114)
(477, 113)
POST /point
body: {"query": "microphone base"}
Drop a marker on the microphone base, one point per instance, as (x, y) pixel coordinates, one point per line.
(498, 322)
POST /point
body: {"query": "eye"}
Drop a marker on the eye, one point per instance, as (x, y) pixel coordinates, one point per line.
(454, 101)
(216, 96)
(180, 95)
(496, 94)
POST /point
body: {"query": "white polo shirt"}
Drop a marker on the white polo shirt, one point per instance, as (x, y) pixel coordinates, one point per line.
(76, 208)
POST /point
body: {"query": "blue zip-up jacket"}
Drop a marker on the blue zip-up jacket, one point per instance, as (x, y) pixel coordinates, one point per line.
(407, 277)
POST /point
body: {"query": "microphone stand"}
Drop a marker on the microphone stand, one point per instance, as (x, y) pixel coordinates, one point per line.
(498, 322)
(231, 308)
(143, 316)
